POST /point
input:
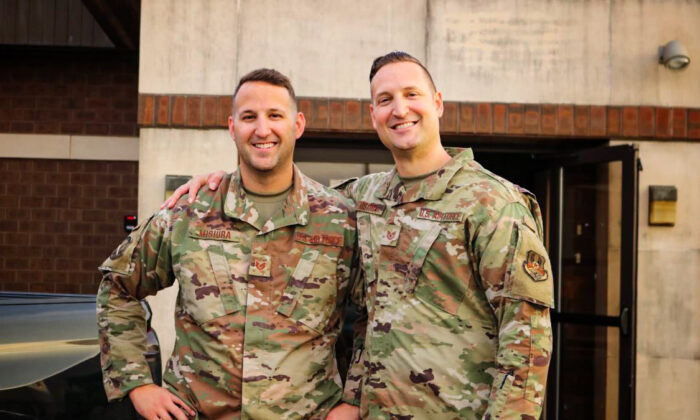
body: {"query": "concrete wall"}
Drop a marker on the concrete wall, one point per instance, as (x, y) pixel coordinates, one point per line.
(324, 47)
(588, 52)
(593, 52)
(668, 323)
(178, 152)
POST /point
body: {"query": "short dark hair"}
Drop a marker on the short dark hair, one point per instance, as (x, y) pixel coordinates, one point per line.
(270, 76)
(397, 57)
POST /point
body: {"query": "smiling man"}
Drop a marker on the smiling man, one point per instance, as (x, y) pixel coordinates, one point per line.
(263, 266)
(457, 283)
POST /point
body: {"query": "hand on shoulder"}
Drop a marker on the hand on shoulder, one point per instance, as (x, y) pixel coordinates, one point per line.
(213, 179)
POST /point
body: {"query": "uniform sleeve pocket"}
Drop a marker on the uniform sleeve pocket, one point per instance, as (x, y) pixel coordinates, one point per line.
(540, 356)
(499, 393)
(529, 276)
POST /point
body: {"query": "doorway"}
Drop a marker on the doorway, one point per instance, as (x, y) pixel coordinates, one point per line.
(589, 200)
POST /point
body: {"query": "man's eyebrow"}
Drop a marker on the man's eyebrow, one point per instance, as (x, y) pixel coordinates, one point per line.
(405, 88)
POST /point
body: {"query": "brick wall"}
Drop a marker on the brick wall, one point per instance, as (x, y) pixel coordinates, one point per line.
(83, 92)
(59, 219)
(463, 119)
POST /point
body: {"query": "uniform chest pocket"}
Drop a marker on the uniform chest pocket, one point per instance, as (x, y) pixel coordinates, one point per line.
(207, 287)
(405, 255)
(311, 295)
(428, 259)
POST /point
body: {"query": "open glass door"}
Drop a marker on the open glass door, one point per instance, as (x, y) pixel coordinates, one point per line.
(591, 209)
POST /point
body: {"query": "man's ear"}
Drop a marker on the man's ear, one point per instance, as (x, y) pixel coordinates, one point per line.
(371, 114)
(439, 105)
(230, 127)
(300, 124)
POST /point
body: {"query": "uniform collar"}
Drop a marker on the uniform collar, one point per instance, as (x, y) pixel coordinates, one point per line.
(431, 188)
(294, 211)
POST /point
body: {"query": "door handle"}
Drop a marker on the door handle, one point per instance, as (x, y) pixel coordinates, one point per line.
(625, 321)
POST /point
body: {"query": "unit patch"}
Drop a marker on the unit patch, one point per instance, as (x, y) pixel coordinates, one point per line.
(260, 265)
(534, 266)
(440, 216)
(319, 239)
(390, 235)
(374, 208)
(214, 234)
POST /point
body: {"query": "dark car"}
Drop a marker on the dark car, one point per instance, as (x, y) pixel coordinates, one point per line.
(50, 362)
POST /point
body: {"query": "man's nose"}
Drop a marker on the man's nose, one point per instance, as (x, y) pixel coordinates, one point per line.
(262, 128)
(400, 108)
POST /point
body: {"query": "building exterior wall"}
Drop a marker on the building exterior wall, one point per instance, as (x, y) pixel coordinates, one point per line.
(68, 163)
(582, 52)
(59, 219)
(70, 93)
(599, 53)
(585, 52)
(50, 22)
(668, 318)
(197, 151)
(563, 55)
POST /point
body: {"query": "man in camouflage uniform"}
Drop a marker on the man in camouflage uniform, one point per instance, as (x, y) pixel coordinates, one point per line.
(261, 299)
(458, 285)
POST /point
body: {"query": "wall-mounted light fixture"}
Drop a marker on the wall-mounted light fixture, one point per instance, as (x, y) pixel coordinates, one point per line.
(674, 55)
(662, 205)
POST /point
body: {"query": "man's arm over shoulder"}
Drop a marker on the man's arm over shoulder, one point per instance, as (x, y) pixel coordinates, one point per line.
(139, 267)
(516, 275)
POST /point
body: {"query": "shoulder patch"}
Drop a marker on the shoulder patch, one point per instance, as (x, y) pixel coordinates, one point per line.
(534, 266)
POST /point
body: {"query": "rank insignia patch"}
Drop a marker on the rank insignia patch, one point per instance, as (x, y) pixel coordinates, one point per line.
(260, 265)
(534, 266)
(390, 236)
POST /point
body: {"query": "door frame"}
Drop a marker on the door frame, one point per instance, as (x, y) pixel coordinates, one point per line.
(626, 321)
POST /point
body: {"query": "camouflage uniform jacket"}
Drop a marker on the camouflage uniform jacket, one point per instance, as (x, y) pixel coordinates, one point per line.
(260, 304)
(458, 288)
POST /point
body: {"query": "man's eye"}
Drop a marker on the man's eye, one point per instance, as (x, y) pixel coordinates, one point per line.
(276, 116)
(247, 118)
(383, 100)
